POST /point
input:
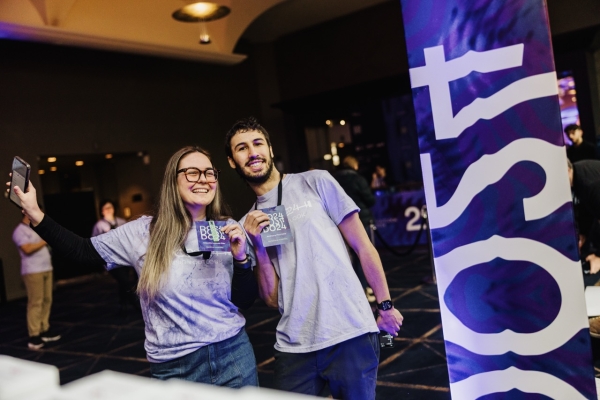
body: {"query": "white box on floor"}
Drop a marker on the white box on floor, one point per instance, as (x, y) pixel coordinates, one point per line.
(184, 390)
(254, 393)
(20, 379)
(110, 385)
(592, 300)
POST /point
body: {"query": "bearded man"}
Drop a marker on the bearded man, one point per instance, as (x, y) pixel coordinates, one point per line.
(327, 335)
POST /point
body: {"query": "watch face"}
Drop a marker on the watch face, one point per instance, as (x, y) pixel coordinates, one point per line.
(385, 305)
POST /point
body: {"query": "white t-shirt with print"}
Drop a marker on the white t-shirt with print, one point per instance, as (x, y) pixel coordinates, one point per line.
(320, 297)
(193, 309)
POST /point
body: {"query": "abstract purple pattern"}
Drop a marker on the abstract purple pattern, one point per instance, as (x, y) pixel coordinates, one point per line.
(495, 176)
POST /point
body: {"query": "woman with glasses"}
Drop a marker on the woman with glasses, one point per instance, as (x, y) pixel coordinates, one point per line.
(189, 300)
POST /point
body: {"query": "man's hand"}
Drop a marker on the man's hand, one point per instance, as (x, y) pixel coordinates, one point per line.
(594, 261)
(390, 321)
(255, 221)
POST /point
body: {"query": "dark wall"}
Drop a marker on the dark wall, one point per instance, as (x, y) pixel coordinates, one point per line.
(58, 100)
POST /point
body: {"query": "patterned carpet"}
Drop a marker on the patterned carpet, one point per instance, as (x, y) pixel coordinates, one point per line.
(96, 336)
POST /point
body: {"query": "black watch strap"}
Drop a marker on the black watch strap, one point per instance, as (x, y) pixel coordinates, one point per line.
(385, 305)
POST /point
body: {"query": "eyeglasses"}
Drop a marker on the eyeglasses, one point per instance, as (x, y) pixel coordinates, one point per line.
(193, 174)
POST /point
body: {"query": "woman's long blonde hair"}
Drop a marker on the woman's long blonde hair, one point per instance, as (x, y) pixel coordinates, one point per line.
(170, 226)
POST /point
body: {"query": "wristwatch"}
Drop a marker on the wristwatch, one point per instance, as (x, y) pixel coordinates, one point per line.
(385, 305)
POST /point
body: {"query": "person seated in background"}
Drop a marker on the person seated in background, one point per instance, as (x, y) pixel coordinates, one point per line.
(378, 179)
(124, 275)
(37, 274)
(580, 149)
(357, 187)
(194, 330)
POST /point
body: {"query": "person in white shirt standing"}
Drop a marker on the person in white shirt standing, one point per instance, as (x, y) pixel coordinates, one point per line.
(327, 335)
(36, 270)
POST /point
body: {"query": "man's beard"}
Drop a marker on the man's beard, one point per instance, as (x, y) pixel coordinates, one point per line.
(256, 179)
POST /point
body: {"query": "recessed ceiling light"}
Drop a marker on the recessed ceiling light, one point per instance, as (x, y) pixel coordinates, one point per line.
(51, 159)
(201, 12)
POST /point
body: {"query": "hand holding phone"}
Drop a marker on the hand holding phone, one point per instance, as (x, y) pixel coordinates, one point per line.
(20, 177)
(385, 339)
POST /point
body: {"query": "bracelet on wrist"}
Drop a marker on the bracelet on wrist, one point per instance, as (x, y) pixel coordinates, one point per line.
(245, 264)
(244, 261)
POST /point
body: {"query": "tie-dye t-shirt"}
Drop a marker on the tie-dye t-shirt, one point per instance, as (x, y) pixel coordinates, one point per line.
(193, 308)
(320, 297)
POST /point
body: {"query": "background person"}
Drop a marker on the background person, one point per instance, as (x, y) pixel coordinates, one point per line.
(584, 177)
(580, 149)
(379, 178)
(124, 275)
(357, 187)
(36, 272)
(108, 218)
(327, 335)
(189, 301)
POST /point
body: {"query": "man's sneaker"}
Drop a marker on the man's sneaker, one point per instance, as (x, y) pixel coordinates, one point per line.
(49, 336)
(595, 327)
(35, 343)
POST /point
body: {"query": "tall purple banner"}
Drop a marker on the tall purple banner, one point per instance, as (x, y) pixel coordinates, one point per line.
(498, 199)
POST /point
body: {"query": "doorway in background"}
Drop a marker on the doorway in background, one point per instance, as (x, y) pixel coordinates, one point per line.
(74, 185)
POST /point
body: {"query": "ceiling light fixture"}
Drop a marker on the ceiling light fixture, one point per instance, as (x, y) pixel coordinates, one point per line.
(201, 12)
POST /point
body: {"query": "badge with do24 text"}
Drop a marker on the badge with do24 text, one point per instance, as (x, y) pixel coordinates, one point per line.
(278, 231)
(210, 237)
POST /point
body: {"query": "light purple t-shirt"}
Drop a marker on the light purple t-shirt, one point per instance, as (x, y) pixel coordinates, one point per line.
(193, 308)
(39, 261)
(103, 226)
(320, 297)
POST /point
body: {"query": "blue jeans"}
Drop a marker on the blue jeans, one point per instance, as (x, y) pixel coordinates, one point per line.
(349, 368)
(228, 363)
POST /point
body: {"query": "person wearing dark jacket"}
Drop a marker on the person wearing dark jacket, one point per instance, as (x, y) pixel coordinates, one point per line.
(585, 182)
(357, 188)
(580, 149)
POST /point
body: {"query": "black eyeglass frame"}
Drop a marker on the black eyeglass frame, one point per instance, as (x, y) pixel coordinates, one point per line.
(184, 170)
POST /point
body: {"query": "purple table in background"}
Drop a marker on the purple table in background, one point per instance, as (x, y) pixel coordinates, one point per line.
(398, 217)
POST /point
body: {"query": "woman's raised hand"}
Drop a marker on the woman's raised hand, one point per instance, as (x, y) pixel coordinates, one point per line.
(29, 203)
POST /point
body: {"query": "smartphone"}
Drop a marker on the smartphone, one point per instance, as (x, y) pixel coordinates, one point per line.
(385, 339)
(20, 178)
